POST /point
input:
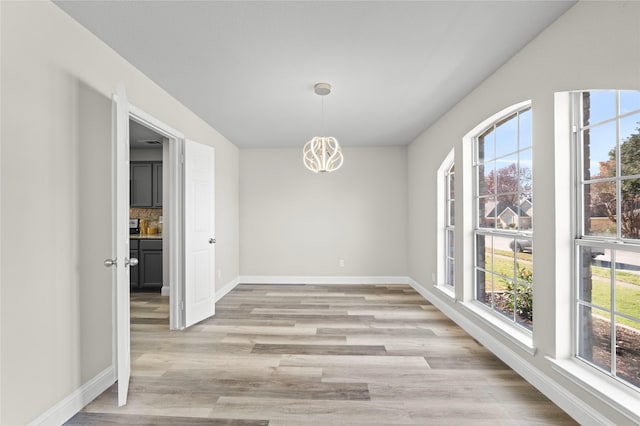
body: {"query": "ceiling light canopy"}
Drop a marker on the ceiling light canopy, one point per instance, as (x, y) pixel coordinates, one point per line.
(322, 153)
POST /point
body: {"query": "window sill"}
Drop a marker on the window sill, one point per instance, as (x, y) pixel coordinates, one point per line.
(617, 395)
(512, 332)
(446, 290)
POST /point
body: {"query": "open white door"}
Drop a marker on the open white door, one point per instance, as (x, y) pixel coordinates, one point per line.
(121, 241)
(199, 196)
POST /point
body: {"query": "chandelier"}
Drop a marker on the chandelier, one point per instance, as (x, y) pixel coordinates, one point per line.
(322, 153)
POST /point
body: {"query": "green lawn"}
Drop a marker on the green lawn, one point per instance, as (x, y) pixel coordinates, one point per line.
(521, 256)
(627, 277)
(627, 301)
(504, 266)
(627, 298)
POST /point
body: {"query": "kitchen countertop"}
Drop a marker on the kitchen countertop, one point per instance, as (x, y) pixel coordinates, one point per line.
(145, 236)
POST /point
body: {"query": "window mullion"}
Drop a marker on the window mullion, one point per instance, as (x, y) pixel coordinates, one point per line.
(618, 171)
(613, 312)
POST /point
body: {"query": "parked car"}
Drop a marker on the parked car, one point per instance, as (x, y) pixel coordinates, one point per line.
(595, 252)
(520, 245)
(525, 246)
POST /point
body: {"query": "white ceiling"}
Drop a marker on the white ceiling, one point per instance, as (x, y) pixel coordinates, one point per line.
(248, 68)
(141, 137)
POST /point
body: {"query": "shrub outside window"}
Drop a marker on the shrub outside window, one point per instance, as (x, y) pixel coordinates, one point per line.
(503, 230)
(607, 310)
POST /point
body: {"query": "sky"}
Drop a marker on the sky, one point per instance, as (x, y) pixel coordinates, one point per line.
(603, 136)
(603, 111)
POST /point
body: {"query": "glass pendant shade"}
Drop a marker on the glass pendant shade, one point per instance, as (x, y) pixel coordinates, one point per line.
(322, 154)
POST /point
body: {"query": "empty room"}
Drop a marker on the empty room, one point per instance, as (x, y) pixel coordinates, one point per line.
(320, 212)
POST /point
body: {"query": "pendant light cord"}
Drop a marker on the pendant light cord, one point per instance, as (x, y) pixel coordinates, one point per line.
(322, 115)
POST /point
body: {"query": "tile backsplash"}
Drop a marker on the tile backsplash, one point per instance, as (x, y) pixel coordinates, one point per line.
(146, 214)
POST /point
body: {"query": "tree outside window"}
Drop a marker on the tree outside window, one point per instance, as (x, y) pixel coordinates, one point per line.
(608, 242)
(504, 218)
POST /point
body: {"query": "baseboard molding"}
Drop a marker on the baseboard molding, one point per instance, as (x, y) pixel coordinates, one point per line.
(574, 406)
(77, 400)
(165, 290)
(227, 288)
(289, 279)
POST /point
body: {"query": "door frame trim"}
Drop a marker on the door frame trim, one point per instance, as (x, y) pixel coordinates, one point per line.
(174, 217)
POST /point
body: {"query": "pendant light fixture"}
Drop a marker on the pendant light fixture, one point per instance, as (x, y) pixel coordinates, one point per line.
(322, 153)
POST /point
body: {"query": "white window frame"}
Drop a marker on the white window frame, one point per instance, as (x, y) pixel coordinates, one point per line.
(443, 196)
(610, 391)
(495, 232)
(581, 239)
(518, 335)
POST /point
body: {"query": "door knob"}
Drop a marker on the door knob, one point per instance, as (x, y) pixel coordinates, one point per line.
(212, 240)
(110, 262)
(130, 262)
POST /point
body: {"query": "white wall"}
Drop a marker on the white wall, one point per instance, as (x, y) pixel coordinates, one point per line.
(297, 223)
(57, 80)
(595, 45)
(146, 154)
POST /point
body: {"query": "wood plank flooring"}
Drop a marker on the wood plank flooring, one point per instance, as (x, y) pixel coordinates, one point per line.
(315, 355)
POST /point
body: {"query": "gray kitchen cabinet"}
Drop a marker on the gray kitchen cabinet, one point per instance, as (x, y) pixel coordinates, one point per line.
(150, 265)
(145, 184)
(141, 181)
(157, 184)
(147, 275)
(133, 270)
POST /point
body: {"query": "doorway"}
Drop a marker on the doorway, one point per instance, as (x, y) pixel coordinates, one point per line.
(187, 235)
(149, 279)
(144, 134)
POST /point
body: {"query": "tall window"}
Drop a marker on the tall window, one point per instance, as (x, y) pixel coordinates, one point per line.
(445, 222)
(449, 223)
(503, 231)
(607, 134)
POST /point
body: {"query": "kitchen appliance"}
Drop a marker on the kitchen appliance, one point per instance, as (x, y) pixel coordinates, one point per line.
(134, 226)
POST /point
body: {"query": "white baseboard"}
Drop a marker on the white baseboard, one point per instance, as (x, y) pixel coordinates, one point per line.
(77, 400)
(289, 279)
(227, 288)
(165, 291)
(574, 406)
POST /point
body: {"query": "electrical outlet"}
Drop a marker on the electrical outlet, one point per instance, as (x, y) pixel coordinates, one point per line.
(341, 263)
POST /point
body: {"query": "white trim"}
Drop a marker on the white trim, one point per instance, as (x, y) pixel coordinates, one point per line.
(77, 400)
(508, 330)
(442, 198)
(227, 288)
(616, 395)
(446, 290)
(176, 233)
(153, 123)
(173, 214)
(570, 403)
(289, 279)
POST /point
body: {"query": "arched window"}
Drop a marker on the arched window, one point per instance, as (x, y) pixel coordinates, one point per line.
(503, 216)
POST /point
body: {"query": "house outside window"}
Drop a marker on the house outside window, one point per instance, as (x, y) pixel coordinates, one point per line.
(607, 256)
(503, 216)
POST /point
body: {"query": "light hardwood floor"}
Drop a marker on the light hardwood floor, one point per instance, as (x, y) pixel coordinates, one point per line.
(316, 355)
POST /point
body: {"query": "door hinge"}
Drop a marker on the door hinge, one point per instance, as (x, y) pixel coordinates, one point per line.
(574, 129)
